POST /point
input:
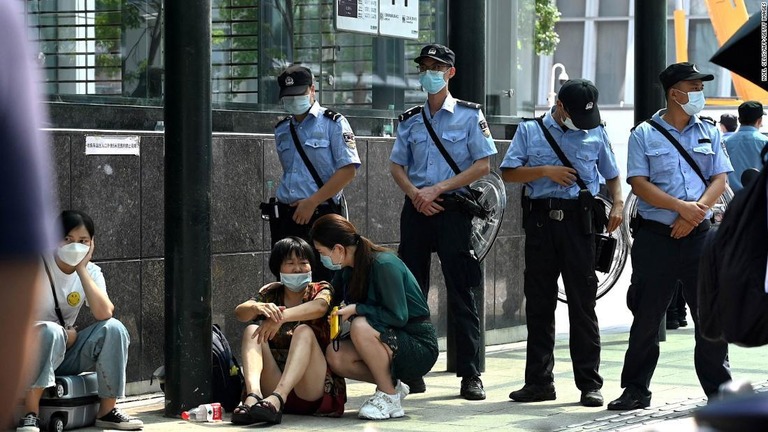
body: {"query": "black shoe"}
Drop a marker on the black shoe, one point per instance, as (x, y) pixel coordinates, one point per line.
(629, 400)
(682, 322)
(417, 386)
(264, 411)
(591, 398)
(534, 393)
(116, 419)
(673, 324)
(472, 388)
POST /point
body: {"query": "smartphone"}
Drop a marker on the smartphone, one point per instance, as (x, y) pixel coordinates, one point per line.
(335, 323)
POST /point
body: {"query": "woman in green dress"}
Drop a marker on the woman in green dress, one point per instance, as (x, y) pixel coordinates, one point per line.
(391, 337)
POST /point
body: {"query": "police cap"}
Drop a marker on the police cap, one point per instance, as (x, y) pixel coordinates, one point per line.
(684, 71)
(750, 111)
(294, 80)
(438, 52)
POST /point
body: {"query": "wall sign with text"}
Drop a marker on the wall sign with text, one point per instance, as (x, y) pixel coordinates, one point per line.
(395, 18)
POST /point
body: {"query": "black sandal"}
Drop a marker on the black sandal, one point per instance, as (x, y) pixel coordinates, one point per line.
(241, 415)
(265, 411)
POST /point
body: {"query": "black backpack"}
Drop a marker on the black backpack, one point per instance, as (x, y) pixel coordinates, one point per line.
(733, 304)
(227, 382)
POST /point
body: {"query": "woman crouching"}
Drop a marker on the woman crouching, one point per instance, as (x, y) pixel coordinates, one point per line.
(391, 337)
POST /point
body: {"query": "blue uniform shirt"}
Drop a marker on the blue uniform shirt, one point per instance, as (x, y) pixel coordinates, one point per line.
(744, 149)
(329, 145)
(463, 132)
(589, 151)
(651, 155)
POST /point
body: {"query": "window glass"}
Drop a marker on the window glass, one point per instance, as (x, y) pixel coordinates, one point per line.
(613, 8)
(572, 8)
(570, 50)
(111, 51)
(610, 75)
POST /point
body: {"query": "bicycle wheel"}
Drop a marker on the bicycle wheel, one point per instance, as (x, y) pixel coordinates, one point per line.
(606, 281)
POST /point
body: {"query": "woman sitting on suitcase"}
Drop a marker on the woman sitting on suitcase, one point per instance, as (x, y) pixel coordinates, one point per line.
(72, 280)
(283, 356)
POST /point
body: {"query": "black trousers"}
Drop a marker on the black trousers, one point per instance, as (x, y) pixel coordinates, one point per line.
(676, 309)
(448, 234)
(554, 248)
(284, 226)
(659, 263)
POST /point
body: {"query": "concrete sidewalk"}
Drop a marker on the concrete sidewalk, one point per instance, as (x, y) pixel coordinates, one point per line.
(676, 393)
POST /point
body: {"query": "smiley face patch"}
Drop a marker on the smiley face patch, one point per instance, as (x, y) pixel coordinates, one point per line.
(73, 299)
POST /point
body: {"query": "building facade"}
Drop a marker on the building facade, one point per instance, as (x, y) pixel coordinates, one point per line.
(110, 52)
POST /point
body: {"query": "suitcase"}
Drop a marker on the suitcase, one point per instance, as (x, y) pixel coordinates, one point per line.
(71, 403)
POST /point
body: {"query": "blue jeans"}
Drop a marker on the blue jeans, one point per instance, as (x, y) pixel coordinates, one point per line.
(101, 347)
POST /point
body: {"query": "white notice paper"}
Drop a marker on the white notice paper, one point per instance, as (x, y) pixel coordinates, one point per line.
(112, 145)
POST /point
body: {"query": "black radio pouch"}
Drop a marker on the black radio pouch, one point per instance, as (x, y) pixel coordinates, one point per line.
(587, 211)
(525, 203)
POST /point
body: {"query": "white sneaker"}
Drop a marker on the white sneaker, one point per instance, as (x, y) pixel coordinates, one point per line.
(29, 423)
(402, 389)
(381, 406)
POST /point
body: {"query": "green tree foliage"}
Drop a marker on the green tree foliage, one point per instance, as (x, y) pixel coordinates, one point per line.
(546, 37)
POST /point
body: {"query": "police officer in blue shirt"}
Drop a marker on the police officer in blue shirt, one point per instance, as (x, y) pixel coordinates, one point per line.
(432, 217)
(556, 240)
(745, 145)
(670, 232)
(328, 142)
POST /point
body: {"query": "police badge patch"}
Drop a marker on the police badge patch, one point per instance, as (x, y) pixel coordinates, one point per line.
(349, 139)
(485, 129)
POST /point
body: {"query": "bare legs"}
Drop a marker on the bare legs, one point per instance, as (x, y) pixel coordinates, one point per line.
(304, 371)
(364, 357)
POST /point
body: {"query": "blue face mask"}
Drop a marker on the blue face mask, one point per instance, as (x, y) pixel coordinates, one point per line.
(297, 105)
(296, 282)
(695, 104)
(328, 263)
(432, 81)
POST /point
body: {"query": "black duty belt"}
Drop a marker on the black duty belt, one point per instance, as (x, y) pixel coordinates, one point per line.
(666, 230)
(557, 209)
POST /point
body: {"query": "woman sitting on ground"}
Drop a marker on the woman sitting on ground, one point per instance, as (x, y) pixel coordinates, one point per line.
(283, 355)
(391, 337)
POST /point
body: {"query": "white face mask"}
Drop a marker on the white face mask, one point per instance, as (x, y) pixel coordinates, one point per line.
(73, 253)
(569, 124)
(695, 103)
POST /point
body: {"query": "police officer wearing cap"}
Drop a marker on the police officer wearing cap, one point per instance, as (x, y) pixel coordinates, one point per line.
(669, 235)
(556, 240)
(432, 217)
(745, 145)
(328, 142)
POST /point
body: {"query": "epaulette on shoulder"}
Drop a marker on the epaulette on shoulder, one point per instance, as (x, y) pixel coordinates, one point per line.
(472, 105)
(332, 115)
(709, 120)
(525, 119)
(410, 113)
(636, 125)
(282, 121)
